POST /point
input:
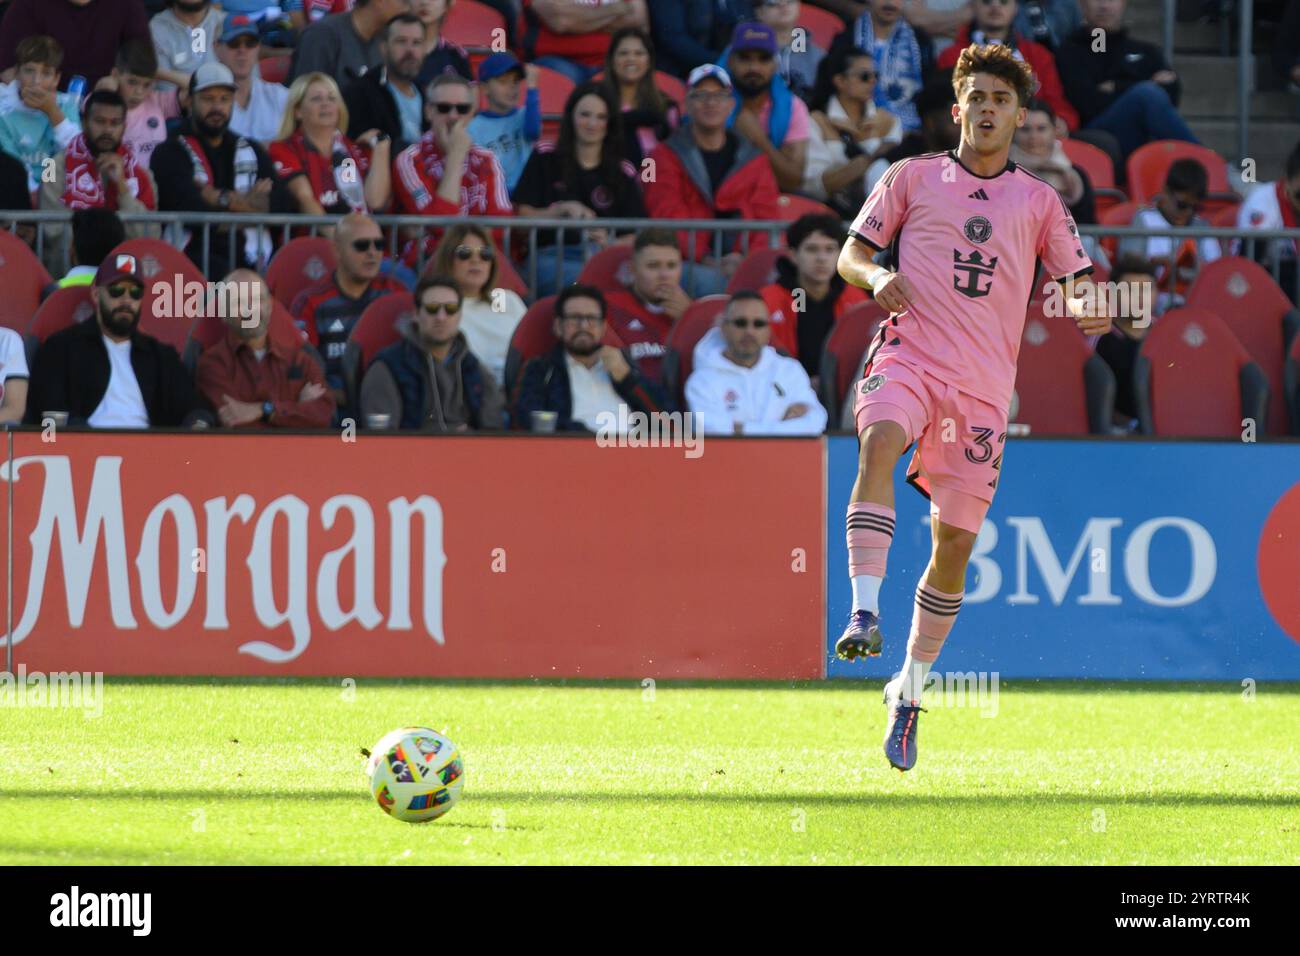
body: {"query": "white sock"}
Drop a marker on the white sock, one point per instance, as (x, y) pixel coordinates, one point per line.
(866, 592)
(914, 675)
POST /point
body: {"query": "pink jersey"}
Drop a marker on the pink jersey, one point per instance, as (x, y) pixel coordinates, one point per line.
(971, 249)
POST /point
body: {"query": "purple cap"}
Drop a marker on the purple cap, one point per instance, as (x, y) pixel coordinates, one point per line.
(753, 36)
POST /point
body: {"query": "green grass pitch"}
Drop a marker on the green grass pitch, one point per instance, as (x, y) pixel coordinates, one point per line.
(269, 771)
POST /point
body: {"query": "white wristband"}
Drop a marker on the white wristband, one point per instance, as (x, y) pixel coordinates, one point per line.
(881, 276)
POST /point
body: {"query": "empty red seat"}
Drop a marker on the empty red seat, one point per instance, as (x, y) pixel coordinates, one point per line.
(1096, 162)
(1193, 378)
(300, 264)
(791, 206)
(472, 25)
(1246, 298)
(22, 279)
(1064, 387)
(63, 308)
(609, 269)
(756, 270)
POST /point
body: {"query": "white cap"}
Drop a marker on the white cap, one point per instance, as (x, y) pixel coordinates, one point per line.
(211, 74)
(708, 71)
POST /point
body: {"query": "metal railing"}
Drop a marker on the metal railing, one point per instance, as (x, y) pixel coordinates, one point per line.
(512, 230)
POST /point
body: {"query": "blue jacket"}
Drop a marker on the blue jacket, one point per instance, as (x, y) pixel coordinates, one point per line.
(422, 405)
(688, 33)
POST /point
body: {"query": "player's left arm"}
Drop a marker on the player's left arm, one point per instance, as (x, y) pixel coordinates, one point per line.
(1090, 310)
(1062, 254)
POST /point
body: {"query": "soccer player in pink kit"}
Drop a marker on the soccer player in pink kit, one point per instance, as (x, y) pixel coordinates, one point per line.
(968, 232)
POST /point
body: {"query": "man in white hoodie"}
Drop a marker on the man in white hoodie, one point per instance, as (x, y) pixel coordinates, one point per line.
(743, 386)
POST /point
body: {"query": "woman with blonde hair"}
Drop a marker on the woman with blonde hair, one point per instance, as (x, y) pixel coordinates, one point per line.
(489, 314)
(324, 171)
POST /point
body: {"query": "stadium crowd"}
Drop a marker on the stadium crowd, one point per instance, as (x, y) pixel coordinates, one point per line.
(658, 110)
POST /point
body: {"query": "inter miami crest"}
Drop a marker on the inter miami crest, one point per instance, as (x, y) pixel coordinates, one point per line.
(872, 383)
(978, 229)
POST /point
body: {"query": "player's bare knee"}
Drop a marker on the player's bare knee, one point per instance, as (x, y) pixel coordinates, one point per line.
(953, 546)
(880, 446)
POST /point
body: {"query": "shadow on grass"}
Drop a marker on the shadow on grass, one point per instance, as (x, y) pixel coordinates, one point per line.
(785, 798)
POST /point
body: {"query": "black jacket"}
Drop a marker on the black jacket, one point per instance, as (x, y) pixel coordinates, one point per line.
(371, 105)
(1125, 60)
(71, 370)
(544, 386)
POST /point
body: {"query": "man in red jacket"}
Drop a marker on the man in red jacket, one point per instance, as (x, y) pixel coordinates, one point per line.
(705, 171)
(443, 173)
(992, 24)
(645, 312)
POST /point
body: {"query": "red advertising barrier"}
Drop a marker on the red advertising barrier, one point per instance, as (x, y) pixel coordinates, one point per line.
(222, 554)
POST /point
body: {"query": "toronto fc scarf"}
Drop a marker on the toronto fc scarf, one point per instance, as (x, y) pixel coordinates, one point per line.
(898, 67)
(84, 188)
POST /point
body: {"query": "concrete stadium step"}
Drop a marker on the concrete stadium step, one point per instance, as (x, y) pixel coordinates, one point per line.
(1210, 89)
(1270, 142)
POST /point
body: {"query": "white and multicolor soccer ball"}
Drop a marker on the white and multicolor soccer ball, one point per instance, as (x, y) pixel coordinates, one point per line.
(415, 774)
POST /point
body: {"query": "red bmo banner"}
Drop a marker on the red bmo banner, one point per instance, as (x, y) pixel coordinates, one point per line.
(398, 556)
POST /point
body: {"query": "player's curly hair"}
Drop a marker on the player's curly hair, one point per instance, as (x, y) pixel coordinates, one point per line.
(997, 60)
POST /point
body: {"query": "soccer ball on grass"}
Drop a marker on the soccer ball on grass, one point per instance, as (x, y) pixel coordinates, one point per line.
(415, 774)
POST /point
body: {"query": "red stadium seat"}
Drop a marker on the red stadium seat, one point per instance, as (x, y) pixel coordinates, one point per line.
(822, 25)
(1064, 386)
(755, 271)
(1245, 297)
(841, 362)
(534, 336)
(374, 331)
(1193, 378)
(300, 263)
(1148, 165)
(166, 270)
(1291, 382)
(22, 279)
(508, 278)
(1121, 214)
(553, 88)
(700, 316)
(608, 270)
(274, 69)
(63, 309)
(470, 24)
(1097, 164)
(790, 207)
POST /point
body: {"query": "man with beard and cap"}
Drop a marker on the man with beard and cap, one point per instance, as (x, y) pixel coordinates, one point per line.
(581, 379)
(98, 171)
(253, 378)
(203, 167)
(389, 99)
(430, 380)
(107, 373)
(767, 114)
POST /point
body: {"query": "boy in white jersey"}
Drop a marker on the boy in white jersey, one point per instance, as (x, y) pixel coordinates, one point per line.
(968, 232)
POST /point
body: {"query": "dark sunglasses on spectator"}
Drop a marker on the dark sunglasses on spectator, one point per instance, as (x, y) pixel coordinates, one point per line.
(119, 289)
(1182, 205)
(575, 319)
(436, 308)
(365, 245)
(245, 42)
(750, 323)
(461, 108)
(465, 253)
(1001, 3)
(866, 76)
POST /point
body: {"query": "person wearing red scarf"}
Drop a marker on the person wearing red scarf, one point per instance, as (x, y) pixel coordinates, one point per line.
(98, 171)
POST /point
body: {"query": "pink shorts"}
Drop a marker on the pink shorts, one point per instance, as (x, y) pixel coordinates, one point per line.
(958, 437)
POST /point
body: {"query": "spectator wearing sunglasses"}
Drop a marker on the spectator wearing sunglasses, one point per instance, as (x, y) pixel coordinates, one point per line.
(107, 373)
(584, 177)
(259, 106)
(431, 380)
(582, 380)
(741, 386)
(489, 314)
(1176, 261)
(328, 311)
(444, 173)
(255, 378)
(324, 171)
(849, 131)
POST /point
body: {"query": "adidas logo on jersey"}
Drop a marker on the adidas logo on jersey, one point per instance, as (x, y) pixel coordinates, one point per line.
(978, 194)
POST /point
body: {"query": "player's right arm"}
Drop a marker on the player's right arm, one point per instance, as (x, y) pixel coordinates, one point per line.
(891, 289)
(875, 227)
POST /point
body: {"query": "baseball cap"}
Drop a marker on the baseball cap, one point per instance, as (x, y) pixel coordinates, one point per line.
(753, 36)
(708, 71)
(498, 64)
(238, 25)
(211, 74)
(118, 265)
